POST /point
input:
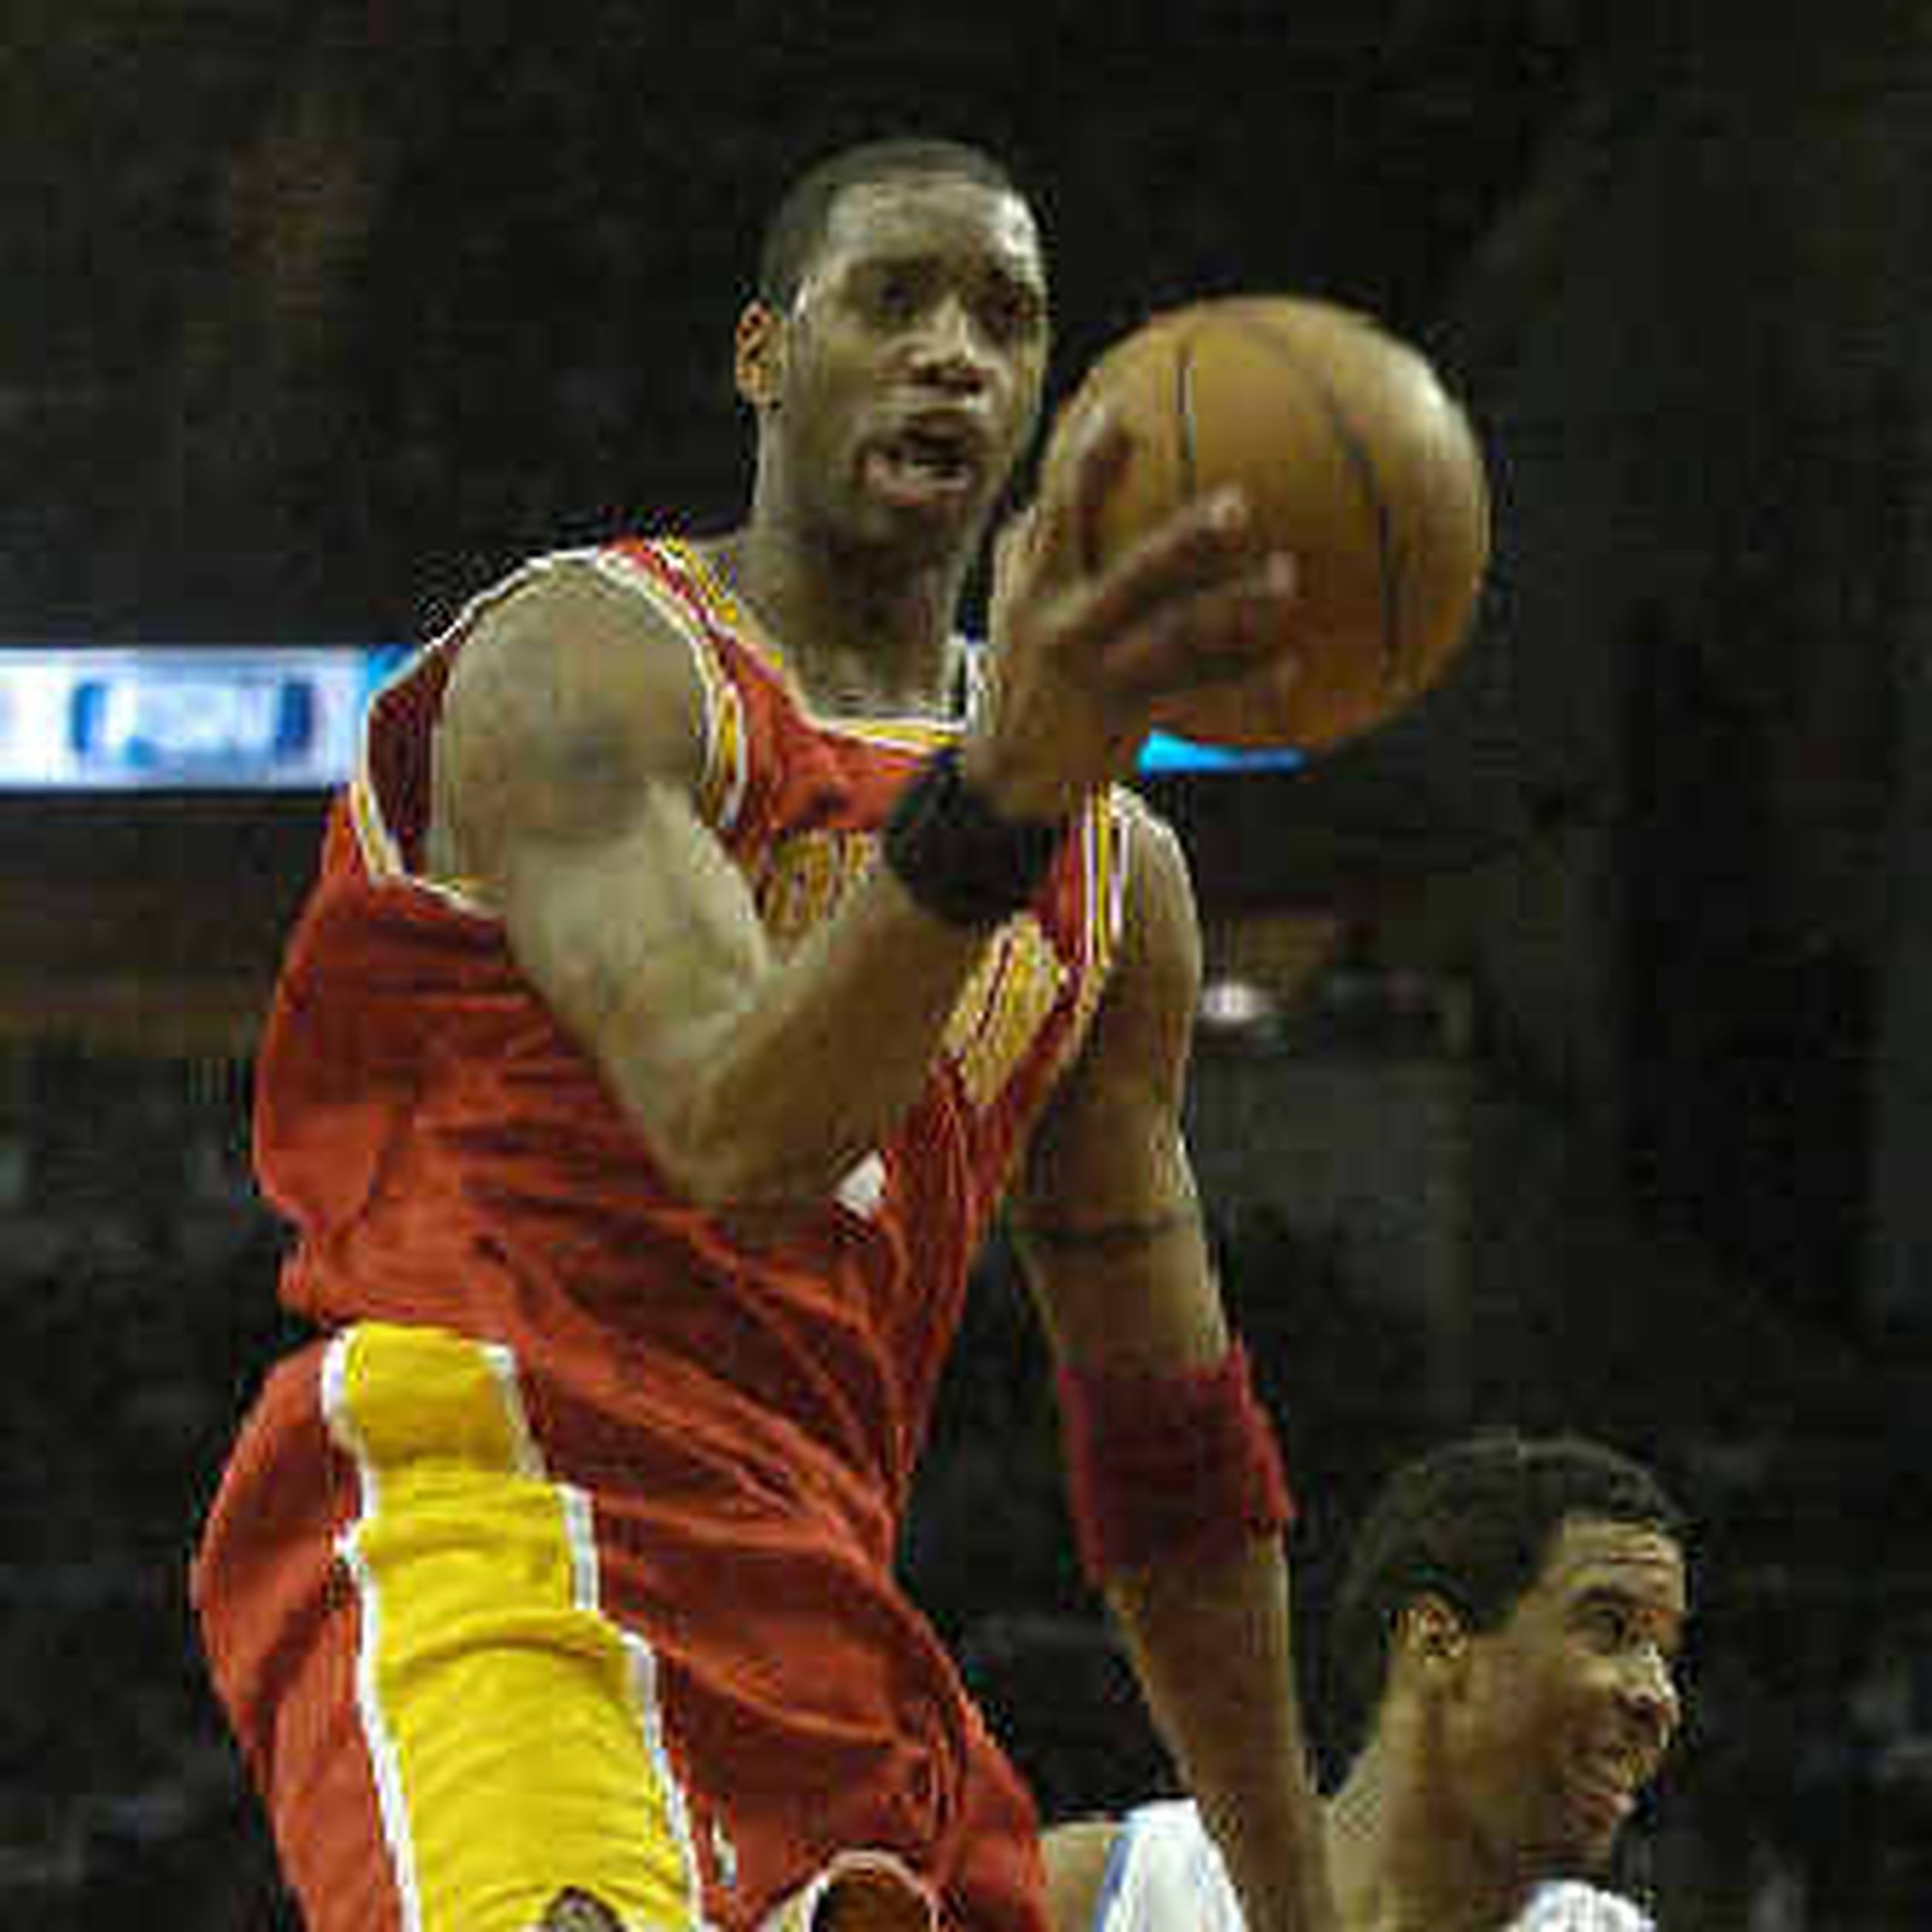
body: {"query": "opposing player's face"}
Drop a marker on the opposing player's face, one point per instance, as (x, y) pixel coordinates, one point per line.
(1573, 1703)
(913, 359)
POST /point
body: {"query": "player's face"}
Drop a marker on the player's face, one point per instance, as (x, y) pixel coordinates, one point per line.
(1574, 1703)
(912, 361)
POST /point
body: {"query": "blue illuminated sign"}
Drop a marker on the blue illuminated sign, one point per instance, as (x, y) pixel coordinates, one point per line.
(275, 718)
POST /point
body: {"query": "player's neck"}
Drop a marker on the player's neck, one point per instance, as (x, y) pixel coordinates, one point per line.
(1402, 1855)
(865, 635)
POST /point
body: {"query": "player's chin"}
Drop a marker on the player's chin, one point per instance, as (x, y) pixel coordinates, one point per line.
(1584, 1849)
(1594, 1857)
(1577, 1839)
(930, 529)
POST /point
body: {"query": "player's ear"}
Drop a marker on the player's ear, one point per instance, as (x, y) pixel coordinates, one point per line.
(575, 1911)
(758, 362)
(1432, 1638)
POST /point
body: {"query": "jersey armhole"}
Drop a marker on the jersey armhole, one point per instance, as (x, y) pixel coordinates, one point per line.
(724, 772)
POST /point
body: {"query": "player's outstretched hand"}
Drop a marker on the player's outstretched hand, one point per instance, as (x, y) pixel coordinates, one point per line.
(1082, 658)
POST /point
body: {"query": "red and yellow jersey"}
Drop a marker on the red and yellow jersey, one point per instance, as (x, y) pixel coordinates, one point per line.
(450, 1156)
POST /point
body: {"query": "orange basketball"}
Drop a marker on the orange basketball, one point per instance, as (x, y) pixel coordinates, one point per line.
(1354, 456)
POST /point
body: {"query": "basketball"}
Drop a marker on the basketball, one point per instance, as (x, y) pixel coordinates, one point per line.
(1354, 456)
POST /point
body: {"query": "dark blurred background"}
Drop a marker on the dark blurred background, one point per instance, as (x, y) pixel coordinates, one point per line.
(1567, 1059)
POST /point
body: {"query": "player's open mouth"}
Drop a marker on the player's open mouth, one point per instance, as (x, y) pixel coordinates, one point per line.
(923, 464)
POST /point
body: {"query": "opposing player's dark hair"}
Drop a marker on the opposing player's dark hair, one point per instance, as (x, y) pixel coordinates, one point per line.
(798, 224)
(1472, 1523)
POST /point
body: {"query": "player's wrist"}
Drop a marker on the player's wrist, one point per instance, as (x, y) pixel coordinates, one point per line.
(963, 852)
(1182, 1464)
(1008, 788)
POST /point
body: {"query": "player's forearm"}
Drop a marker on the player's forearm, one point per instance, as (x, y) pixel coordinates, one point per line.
(758, 1077)
(818, 1062)
(1212, 1644)
(774, 1096)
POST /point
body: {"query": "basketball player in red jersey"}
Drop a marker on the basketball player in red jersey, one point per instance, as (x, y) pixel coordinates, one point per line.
(688, 978)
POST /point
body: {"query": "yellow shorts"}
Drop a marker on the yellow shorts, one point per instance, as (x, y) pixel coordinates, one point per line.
(479, 1739)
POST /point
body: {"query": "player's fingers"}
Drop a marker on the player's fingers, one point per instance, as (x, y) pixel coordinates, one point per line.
(1018, 539)
(1098, 448)
(1253, 707)
(1209, 540)
(1239, 627)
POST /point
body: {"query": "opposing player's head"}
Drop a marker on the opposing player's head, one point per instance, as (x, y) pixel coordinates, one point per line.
(895, 350)
(1513, 1609)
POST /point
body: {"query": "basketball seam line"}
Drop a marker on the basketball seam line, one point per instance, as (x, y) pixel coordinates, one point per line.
(1187, 460)
(1359, 459)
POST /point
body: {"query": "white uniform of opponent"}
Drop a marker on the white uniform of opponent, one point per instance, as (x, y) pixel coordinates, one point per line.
(1164, 1875)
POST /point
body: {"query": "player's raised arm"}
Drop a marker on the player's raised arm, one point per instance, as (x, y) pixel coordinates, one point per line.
(1173, 1474)
(567, 767)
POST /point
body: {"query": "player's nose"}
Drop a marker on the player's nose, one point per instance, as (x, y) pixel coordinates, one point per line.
(948, 349)
(1648, 1689)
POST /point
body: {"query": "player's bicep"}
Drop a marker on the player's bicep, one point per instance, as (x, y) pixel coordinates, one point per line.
(1105, 1215)
(568, 756)
(642, 940)
(1109, 1138)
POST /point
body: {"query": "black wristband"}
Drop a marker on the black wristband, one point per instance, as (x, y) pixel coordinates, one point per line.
(957, 856)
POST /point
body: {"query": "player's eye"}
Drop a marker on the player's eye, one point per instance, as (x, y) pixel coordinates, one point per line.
(894, 296)
(1610, 1626)
(1009, 313)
